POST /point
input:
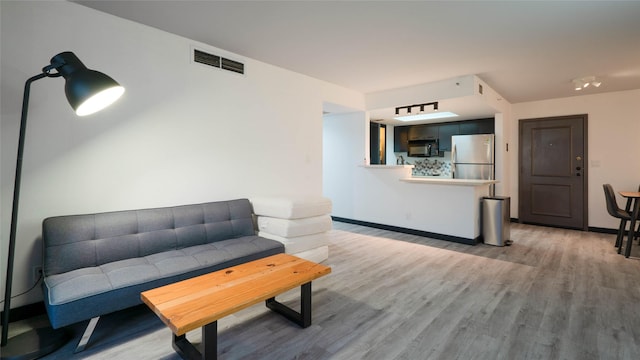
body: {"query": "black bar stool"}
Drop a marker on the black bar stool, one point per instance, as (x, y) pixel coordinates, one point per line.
(615, 211)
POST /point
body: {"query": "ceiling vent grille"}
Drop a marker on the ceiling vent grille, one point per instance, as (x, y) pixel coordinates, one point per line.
(218, 62)
(207, 59)
(233, 66)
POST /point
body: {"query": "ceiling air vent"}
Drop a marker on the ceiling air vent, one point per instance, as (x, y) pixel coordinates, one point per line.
(207, 59)
(217, 61)
(232, 66)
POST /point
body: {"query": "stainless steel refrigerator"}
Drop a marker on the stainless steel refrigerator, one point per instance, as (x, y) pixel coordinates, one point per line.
(472, 157)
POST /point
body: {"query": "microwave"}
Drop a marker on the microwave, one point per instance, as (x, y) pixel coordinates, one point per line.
(422, 148)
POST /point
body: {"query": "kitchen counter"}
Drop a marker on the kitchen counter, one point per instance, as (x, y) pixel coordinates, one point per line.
(389, 196)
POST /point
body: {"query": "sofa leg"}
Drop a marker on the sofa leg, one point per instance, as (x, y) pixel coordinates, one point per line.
(87, 334)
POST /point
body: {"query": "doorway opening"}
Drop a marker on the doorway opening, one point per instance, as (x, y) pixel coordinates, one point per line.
(377, 143)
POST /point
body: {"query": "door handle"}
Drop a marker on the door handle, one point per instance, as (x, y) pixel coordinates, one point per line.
(453, 161)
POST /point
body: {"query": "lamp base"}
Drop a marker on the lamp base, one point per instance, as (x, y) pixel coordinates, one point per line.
(34, 344)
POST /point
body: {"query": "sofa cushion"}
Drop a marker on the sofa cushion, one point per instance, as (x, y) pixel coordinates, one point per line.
(85, 293)
(85, 282)
(297, 244)
(294, 227)
(291, 208)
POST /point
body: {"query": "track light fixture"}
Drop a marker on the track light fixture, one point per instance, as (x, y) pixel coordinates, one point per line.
(422, 115)
(408, 107)
(584, 82)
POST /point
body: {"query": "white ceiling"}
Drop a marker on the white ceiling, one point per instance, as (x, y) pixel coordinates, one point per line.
(524, 50)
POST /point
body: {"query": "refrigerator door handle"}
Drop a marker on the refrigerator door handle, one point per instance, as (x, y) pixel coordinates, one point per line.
(453, 161)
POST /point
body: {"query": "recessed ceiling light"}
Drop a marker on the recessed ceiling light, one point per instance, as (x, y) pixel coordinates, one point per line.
(426, 116)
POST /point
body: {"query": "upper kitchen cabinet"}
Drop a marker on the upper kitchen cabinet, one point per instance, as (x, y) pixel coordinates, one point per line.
(400, 138)
(439, 131)
(480, 126)
(445, 132)
(423, 132)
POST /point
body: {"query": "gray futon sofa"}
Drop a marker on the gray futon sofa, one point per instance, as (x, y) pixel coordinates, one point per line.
(96, 264)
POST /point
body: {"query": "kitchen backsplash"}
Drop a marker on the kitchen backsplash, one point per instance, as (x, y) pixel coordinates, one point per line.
(429, 166)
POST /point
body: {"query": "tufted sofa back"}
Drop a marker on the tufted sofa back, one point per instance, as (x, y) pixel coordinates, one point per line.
(79, 241)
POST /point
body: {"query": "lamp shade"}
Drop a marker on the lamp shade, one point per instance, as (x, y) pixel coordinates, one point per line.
(87, 91)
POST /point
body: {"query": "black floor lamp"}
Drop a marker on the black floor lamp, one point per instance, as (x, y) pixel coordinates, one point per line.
(87, 91)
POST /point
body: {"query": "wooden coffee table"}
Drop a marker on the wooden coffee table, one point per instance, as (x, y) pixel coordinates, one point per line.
(201, 301)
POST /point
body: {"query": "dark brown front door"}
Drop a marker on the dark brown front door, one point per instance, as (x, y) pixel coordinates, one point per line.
(553, 171)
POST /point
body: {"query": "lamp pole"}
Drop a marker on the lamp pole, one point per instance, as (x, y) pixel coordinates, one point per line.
(32, 344)
(39, 342)
(14, 208)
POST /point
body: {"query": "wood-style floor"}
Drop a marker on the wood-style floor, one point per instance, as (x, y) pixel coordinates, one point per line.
(553, 294)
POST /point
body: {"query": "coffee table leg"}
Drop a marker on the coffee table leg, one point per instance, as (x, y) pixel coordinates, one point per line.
(187, 351)
(210, 341)
(302, 318)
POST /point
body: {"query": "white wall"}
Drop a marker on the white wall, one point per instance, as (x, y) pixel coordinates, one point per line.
(613, 146)
(503, 167)
(183, 133)
(445, 89)
(344, 149)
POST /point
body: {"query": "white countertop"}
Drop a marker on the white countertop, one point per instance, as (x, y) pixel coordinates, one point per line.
(435, 180)
(448, 181)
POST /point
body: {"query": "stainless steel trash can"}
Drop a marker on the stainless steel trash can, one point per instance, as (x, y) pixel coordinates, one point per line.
(496, 227)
